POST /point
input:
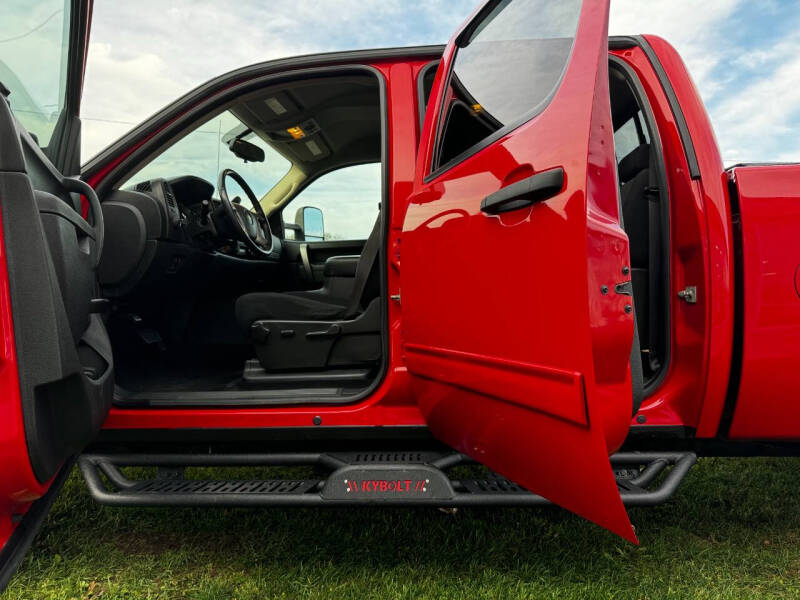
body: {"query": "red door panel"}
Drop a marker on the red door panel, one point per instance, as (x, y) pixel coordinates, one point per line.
(517, 355)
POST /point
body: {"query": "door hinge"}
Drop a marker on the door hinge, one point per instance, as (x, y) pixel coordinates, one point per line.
(688, 294)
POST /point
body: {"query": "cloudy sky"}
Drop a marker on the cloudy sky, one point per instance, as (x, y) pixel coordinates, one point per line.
(744, 55)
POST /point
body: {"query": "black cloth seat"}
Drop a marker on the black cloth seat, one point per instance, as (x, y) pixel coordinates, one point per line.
(634, 173)
(315, 305)
(265, 306)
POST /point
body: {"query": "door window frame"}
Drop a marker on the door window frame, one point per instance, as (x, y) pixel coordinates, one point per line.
(63, 146)
(441, 115)
(649, 124)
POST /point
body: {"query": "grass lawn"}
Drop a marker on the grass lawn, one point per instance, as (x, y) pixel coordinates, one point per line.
(732, 531)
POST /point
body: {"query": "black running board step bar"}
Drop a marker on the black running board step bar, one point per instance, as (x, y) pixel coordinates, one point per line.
(389, 478)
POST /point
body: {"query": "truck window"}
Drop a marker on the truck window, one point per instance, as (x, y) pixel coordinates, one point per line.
(349, 199)
(33, 62)
(506, 72)
(630, 136)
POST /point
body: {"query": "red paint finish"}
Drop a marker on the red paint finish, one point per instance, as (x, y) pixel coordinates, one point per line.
(768, 402)
(679, 400)
(716, 246)
(692, 393)
(392, 403)
(516, 357)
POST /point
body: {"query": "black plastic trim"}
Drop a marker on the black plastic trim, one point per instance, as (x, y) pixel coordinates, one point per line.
(536, 188)
(674, 104)
(737, 352)
(665, 201)
(264, 435)
(63, 148)
(421, 104)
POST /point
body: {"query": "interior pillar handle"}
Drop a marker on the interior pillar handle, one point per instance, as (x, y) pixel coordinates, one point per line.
(536, 188)
(306, 264)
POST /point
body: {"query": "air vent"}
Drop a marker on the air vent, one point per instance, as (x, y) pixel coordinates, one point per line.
(144, 186)
(170, 198)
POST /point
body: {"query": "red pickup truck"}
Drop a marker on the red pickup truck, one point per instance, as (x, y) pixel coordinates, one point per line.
(519, 255)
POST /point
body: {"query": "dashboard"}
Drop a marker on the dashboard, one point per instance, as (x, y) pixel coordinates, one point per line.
(161, 226)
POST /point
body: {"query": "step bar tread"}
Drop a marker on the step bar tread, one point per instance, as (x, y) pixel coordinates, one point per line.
(395, 478)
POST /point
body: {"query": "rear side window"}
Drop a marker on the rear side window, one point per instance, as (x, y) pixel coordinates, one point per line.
(626, 139)
(505, 72)
(629, 136)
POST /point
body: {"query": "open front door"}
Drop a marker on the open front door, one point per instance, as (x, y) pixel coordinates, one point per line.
(518, 318)
(56, 369)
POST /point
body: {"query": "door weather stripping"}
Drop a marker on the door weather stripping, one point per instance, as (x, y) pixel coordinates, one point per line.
(350, 478)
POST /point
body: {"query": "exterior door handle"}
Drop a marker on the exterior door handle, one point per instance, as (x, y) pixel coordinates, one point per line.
(537, 188)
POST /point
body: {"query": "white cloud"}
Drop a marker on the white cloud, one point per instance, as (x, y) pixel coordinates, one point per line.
(692, 28)
(764, 111)
(753, 94)
(145, 54)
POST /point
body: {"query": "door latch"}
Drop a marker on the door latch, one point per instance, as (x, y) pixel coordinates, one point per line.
(688, 294)
(624, 289)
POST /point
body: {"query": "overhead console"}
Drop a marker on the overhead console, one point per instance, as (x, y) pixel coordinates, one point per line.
(318, 123)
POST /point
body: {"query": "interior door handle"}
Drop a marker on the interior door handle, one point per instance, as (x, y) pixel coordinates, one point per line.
(535, 188)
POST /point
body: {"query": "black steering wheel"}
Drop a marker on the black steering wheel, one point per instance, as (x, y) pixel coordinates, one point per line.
(250, 226)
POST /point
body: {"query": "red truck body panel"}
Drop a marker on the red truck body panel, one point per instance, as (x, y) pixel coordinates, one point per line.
(705, 379)
(392, 403)
(693, 391)
(767, 405)
(700, 220)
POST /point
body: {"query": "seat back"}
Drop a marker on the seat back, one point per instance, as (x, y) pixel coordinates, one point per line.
(366, 285)
(634, 173)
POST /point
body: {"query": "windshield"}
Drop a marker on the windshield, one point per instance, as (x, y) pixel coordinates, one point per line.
(205, 153)
(34, 43)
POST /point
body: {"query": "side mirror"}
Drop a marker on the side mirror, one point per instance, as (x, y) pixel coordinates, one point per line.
(246, 151)
(309, 220)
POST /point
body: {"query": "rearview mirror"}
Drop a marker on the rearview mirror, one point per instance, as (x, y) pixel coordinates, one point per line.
(246, 151)
(309, 219)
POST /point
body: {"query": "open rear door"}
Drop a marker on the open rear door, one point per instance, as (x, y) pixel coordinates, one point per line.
(518, 318)
(56, 369)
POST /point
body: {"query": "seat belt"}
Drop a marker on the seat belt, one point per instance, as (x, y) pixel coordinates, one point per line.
(654, 197)
(368, 255)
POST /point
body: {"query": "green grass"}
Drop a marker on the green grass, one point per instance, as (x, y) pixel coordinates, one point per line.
(732, 531)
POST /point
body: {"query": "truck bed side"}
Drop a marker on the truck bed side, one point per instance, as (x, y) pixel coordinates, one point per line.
(767, 401)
